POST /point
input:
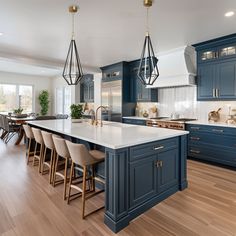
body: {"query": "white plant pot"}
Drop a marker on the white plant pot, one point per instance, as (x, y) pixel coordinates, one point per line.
(76, 120)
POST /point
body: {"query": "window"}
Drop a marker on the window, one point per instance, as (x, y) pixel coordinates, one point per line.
(15, 96)
(63, 100)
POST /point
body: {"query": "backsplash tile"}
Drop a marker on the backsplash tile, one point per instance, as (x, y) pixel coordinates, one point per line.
(183, 100)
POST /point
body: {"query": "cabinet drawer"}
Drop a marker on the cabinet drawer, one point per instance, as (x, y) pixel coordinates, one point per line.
(219, 155)
(199, 138)
(140, 151)
(211, 129)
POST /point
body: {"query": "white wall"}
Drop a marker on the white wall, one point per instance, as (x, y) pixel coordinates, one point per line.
(39, 83)
(58, 82)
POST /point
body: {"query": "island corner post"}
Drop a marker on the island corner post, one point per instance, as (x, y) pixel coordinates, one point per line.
(125, 202)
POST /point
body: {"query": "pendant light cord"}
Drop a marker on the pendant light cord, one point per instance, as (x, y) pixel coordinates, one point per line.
(73, 25)
(147, 22)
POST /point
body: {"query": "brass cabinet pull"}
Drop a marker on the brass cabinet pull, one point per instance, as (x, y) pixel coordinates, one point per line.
(217, 93)
(158, 148)
(194, 151)
(194, 138)
(159, 164)
(195, 128)
(218, 130)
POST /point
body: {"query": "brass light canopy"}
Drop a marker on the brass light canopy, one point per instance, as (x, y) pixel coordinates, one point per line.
(72, 72)
(148, 71)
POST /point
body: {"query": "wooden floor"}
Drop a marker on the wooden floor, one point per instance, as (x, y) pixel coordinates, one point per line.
(30, 206)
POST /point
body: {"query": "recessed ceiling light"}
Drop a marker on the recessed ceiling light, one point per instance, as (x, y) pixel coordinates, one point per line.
(229, 13)
(1, 33)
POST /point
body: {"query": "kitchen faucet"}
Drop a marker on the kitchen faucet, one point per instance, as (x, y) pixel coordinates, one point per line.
(91, 111)
(96, 115)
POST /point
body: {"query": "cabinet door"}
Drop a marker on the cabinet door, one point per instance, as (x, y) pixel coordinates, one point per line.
(206, 82)
(168, 169)
(82, 92)
(226, 80)
(143, 185)
(91, 91)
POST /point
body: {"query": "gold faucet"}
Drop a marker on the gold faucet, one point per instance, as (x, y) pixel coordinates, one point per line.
(96, 115)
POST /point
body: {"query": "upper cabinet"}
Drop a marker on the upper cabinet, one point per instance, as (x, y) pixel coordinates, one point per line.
(139, 92)
(87, 88)
(216, 77)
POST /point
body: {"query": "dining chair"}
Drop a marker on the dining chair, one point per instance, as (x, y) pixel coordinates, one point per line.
(84, 158)
(9, 128)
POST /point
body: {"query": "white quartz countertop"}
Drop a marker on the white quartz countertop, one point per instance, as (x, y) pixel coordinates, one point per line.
(136, 118)
(205, 122)
(112, 135)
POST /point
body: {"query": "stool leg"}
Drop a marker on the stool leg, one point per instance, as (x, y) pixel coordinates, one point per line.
(70, 181)
(55, 170)
(35, 151)
(43, 160)
(65, 180)
(28, 156)
(51, 166)
(84, 190)
(93, 178)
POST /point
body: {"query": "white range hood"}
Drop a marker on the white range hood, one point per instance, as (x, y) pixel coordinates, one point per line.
(177, 68)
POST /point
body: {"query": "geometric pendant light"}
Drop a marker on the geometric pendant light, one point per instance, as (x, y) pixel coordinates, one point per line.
(148, 71)
(72, 72)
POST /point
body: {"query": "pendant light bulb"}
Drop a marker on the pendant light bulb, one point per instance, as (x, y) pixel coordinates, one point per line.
(72, 72)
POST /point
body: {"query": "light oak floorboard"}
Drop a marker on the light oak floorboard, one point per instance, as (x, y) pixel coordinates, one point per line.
(30, 206)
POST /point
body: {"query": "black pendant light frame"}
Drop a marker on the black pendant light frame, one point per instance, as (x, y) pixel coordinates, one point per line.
(148, 71)
(72, 71)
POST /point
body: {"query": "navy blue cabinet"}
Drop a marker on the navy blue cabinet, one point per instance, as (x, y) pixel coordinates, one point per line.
(139, 92)
(154, 168)
(217, 69)
(134, 121)
(87, 88)
(212, 143)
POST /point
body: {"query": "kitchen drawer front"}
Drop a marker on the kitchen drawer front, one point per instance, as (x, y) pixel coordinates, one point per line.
(134, 122)
(211, 129)
(215, 154)
(199, 138)
(140, 151)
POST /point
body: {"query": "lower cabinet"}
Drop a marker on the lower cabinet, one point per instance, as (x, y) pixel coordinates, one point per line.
(212, 143)
(134, 121)
(153, 170)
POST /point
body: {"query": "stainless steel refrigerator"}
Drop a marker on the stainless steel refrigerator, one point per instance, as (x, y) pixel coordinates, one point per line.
(112, 99)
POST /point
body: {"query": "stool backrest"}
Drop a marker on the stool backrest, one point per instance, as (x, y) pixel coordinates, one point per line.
(28, 131)
(47, 138)
(38, 135)
(60, 146)
(79, 154)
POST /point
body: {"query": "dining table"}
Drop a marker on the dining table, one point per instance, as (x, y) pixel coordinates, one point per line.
(20, 121)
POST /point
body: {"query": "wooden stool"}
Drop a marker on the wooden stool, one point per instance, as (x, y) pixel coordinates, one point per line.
(38, 141)
(61, 151)
(49, 144)
(30, 136)
(84, 158)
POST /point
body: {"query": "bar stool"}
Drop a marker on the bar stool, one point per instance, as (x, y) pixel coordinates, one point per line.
(61, 151)
(38, 141)
(84, 158)
(48, 144)
(30, 136)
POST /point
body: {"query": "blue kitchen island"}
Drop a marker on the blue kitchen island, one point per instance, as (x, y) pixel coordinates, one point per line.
(143, 165)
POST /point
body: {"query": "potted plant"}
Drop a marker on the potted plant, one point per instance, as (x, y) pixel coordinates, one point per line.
(18, 111)
(44, 102)
(76, 112)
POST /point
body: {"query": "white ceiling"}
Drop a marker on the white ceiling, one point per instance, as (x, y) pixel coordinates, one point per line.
(108, 31)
